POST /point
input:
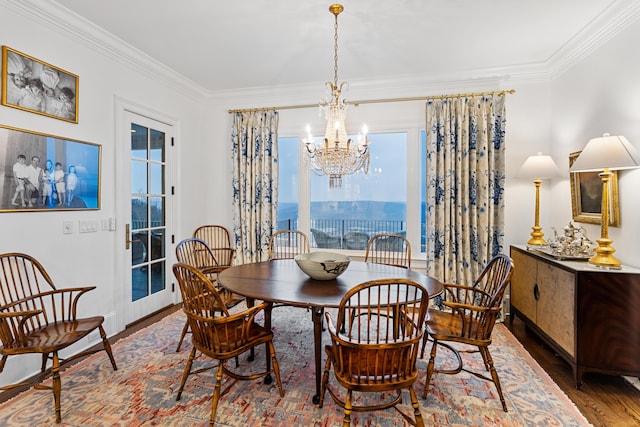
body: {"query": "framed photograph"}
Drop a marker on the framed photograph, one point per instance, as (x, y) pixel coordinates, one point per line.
(586, 196)
(47, 173)
(35, 86)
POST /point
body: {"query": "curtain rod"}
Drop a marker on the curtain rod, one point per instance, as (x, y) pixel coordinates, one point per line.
(378, 101)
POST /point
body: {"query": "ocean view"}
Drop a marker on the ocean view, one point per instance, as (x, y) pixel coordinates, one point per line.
(360, 210)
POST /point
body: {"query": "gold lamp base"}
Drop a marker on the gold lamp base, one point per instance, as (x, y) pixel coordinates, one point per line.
(536, 237)
(604, 255)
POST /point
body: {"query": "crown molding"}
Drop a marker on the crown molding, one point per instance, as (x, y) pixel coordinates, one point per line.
(612, 21)
(51, 15)
(618, 16)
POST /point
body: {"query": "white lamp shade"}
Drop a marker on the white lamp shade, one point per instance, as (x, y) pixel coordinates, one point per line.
(612, 152)
(540, 166)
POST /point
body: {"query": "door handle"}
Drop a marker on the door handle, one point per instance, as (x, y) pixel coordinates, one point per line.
(127, 237)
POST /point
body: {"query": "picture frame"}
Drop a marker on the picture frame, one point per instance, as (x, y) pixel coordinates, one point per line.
(38, 87)
(43, 172)
(586, 196)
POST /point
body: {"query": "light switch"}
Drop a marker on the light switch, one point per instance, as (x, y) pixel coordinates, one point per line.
(88, 226)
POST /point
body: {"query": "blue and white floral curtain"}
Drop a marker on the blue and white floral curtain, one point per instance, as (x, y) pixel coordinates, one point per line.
(255, 183)
(465, 185)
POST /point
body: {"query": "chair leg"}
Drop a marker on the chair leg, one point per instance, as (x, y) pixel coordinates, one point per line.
(107, 347)
(216, 394)
(185, 329)
(494, 375)
(268, 345)
(425, 338)
(45, 357)
(416, 408)
(57, 385)
(325, 381)
(430, 368)
(186, 372)
(346, 422)
(252, 353)
(276, 367)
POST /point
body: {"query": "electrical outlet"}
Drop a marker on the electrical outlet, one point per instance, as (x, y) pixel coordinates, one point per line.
(67, 227)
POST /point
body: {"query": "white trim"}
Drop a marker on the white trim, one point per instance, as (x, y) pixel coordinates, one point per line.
(123, 106)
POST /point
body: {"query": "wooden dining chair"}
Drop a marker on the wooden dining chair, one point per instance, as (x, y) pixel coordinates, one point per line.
(38, 318)
(473, 312)
(375, 345)
(221, 336)
(197, 253)
(286, 244)
(218, 240)
(389, 249)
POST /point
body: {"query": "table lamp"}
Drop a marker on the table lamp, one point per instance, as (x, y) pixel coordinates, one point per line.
(603, 155)
(538, 167)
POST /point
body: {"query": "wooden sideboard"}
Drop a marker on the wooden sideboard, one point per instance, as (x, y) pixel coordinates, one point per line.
(589, 316)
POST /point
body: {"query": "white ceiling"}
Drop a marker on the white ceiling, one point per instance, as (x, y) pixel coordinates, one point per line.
(229, 45)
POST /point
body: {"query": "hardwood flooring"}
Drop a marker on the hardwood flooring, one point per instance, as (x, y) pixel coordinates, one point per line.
(606, 401)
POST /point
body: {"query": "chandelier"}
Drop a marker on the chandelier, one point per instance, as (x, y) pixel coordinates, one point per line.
(338, 155)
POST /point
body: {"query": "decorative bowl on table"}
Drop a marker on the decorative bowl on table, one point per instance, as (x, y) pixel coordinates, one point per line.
(322, 265)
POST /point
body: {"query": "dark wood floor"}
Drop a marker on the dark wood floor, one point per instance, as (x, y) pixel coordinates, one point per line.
(606, 401)
(603, 399)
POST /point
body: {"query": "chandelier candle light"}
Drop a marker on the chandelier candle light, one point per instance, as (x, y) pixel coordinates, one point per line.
(538, 167)
(603, 155)
(338, 156)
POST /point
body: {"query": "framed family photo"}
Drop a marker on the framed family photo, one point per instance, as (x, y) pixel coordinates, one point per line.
(586, 196)
(43, 172)
(37, 87)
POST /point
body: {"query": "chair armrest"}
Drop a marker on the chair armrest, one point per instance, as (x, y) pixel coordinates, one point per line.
(245, 318)
(463, 294)
(58, 304)
(7, 331)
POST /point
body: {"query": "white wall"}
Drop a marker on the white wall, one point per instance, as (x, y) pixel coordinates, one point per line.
(601, 94)
(83, 259)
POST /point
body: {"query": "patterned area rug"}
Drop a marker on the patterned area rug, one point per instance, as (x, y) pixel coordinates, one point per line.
(142, 392)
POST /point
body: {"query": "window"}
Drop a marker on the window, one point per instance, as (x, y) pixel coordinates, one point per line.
(390, 198)
(366, 204)
(288, 183)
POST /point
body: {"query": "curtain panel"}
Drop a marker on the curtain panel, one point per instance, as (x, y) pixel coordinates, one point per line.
(254, 136)
(465, 161)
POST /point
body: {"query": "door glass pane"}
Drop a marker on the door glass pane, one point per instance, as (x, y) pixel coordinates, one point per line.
(157, 245)
(139, 213)
(158, 279)
(157, 211)
(148, 237)
(156, 144)
(139, 283)
(139, 136)
(138, 177)
(156, 177)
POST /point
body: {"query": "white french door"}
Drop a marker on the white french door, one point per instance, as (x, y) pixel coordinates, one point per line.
(147, 216)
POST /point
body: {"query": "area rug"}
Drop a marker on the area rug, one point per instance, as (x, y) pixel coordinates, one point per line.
(143, 391)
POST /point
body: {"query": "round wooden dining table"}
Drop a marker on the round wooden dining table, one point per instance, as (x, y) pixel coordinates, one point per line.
(282, 281)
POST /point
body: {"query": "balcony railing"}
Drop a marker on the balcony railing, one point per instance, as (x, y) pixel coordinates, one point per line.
(345, 233)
